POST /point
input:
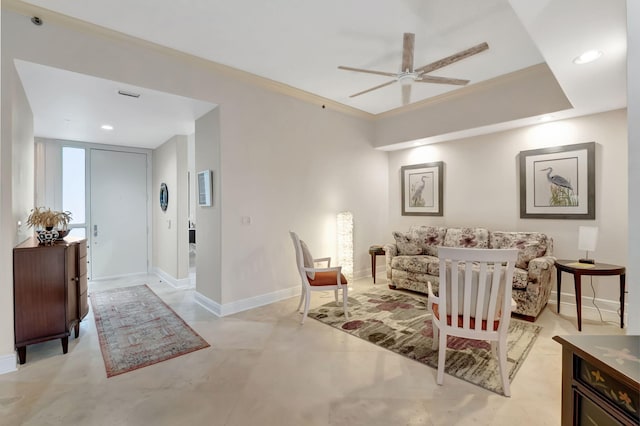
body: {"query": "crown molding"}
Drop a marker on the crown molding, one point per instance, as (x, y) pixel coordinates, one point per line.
(47, 15)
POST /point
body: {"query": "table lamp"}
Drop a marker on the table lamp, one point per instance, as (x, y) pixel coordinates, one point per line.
(587, 239)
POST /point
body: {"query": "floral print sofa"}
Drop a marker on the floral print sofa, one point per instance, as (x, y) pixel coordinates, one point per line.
(412, 260)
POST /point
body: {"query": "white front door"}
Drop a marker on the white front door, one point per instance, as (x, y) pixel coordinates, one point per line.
(118, 230)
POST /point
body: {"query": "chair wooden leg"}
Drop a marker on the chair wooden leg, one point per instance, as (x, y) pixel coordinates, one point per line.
(502, 362)
(442, 353)
(307, 300)
(434, 327)
(301, 299)
(335, 294)
(344, 302)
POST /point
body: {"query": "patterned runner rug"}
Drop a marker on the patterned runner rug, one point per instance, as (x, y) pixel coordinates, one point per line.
(401, 323)
(136, 329)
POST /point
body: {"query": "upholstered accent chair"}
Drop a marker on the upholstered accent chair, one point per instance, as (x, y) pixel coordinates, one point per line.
(317, 279)
(474, 301)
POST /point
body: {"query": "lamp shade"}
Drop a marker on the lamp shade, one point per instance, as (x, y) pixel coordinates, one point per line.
(587, 238)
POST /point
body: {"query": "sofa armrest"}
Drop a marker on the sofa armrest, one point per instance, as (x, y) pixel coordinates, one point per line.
(390, 250)
(541, 269)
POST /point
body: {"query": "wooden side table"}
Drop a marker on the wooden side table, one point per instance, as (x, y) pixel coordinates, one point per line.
(375, 251)
(580, 269)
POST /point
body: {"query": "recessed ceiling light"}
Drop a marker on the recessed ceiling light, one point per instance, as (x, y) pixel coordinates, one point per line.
(106, 127)
(588, 56)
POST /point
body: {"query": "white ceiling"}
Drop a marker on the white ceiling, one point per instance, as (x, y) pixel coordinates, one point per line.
(72, 106)
(301, 44)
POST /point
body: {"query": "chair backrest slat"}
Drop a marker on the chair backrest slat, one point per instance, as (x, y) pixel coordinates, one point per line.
(298, 249)
(476, 284)
(482, 288)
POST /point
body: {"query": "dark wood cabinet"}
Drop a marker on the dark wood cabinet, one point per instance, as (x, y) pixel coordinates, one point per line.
(600, 377)
(49, 292)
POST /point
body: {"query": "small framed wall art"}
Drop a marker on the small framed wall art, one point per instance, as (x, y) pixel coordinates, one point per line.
(205, 192)
(558, 182)
(164, 196)
(422, 189)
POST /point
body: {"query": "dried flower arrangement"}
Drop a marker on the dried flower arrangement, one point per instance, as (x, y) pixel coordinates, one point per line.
(48, 219)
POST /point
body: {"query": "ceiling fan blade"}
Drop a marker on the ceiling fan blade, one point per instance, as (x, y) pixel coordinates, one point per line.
(453, 58)
(407, 52)
(441, 80)
(388, 74)
(373, 88)
(406, 94)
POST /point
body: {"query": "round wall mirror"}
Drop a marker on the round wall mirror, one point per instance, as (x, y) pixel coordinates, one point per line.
(164, 196)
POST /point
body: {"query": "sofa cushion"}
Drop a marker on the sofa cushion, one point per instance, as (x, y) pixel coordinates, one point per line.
(419, 264)
(529, 244)
(467, 237)
(428, 238)
(406, 243)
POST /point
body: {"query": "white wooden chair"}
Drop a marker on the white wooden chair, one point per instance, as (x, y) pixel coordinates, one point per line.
(317, 279)
(475, 302)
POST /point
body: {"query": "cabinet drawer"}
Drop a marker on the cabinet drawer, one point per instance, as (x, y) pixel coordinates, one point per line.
(82, 248)
(621, 396)
(589, 413)
(82, 267)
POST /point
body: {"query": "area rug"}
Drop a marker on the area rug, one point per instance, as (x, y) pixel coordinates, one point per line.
(137, 329)
(401, 323)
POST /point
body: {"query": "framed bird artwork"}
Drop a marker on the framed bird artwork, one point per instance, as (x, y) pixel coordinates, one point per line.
(558, 182)
(422, 189)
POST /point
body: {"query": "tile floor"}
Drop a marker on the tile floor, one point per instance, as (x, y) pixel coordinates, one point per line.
(263, 368)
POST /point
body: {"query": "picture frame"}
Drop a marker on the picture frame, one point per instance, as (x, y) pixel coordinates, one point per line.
(558, 182)
(422, 193)
(205, 192)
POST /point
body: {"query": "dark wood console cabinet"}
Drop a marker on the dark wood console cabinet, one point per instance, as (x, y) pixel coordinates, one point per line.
(600, 376)
(49, 291)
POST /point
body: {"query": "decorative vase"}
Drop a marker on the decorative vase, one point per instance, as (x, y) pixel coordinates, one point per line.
(63, 233)
(47, 237)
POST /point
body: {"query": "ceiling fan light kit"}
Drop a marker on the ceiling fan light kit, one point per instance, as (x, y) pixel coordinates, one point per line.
(409, 75)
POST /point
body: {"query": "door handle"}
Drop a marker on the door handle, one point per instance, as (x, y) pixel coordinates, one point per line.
(95, 230)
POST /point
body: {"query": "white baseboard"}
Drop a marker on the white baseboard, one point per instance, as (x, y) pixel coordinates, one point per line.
(172, 281)
(115, 277)
(608, 308)
(245, 304)
(8, 363)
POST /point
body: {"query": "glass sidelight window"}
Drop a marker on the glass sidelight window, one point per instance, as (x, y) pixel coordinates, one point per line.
(73, 188)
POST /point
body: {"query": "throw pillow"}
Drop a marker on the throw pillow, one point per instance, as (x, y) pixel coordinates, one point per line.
(530, 245)
(407, 246)
(467, 237)
(307, 259)
(429, 238)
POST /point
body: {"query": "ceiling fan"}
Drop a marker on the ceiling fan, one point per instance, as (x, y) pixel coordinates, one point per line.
(408, 75)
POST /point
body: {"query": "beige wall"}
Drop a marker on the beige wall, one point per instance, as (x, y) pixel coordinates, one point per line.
(633, 97)
(170, 239)
(16, 194)
(481, 187)
(208, 225)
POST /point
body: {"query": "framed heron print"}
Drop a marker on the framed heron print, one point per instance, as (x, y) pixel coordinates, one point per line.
(558, 182)
(422, 189)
